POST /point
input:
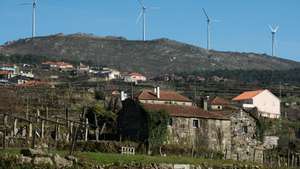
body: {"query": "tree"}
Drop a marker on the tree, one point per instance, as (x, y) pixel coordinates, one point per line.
(157, 128)
(104, 118)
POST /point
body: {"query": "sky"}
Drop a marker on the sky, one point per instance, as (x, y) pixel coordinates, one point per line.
(242, 26)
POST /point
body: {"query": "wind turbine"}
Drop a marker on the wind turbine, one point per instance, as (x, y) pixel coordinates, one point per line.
(209, 21)
(34, 4)
(143, 15)
(273, 32)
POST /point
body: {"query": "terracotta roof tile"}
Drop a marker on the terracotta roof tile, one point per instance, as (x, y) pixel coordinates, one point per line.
(164, 96)
(135, 74)
(247, 95)
(186, 111)
(219, 101)
(32, 83)
(5, 72)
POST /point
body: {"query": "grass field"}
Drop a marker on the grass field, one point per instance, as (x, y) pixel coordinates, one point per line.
(107, 158)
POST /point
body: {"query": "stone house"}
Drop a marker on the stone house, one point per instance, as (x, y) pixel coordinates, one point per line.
(163, 97)
(266, 103)
(194, 127)
(232, 132)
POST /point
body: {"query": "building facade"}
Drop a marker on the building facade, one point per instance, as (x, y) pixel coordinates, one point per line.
(231, 132)
(267, 104)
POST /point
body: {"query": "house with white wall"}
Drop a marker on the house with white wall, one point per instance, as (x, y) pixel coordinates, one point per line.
(134, 77)
(267, 104)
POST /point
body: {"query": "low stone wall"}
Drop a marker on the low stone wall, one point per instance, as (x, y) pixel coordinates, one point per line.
(180, 166)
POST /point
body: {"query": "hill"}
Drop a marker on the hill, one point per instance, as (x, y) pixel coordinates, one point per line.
(149, 57)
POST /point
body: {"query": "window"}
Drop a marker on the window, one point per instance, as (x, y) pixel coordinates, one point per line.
(195, 123)
(170, 122)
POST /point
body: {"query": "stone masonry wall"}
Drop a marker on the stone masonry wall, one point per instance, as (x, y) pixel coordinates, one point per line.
(245, 145)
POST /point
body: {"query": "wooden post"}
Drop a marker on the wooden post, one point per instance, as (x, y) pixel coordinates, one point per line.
(30, 130)
(33, 138)
(38, 116)
(15, 127)
(47, 114)
(42, 128)
(71, 131)
(67, 117)
(97, 127)
(86, 129)
(56, 129)
(5, 119)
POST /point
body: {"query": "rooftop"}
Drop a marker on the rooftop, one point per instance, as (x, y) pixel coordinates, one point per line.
(6, 72)
(219, 101)
(247, 95)
(164, 96)
(135, 74)
(187, 111)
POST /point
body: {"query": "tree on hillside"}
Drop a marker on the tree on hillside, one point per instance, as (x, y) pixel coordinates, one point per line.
(98, 115)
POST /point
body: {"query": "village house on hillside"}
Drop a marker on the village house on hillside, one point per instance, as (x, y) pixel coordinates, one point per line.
(10, 67)
(83, 68)
(110, 74)
(134, 77)
(266, 103)
(63, 66)
(232, 132)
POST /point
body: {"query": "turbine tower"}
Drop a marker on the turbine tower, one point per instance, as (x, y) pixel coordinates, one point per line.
(33, 17)
(208, 20)
(143, 15)
(33, 4)
(273, 32)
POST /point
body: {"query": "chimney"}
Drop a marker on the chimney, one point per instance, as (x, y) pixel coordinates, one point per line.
(158, 92)
(123, 96)
(205, 103)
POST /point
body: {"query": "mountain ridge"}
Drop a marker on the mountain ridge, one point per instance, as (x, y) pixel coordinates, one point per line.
(150, 57)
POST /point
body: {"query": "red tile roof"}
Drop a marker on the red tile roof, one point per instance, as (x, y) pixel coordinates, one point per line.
(247, 95)
(8, 65)
(5, 72)
(219, 101)
(32, 83)
(186, 111)
(164, 96)
(135, 74)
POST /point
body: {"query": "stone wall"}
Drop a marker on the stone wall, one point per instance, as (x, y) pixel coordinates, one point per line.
(245, 144)
(211, 133)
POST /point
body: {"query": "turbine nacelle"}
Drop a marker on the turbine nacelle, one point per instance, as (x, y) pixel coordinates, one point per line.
(274, 30)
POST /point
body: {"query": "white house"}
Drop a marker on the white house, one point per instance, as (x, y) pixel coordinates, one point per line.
(267, 104)
(134, 77)
(110, 74)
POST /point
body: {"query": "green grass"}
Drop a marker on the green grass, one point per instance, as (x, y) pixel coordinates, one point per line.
(107, 158)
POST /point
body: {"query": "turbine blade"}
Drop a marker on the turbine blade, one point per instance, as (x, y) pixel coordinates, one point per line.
(276, 29)
(141, 3)
(271, 28)
(25, 4)
(204, 11)
(154, 8)
(216, 21)
(139, 17)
